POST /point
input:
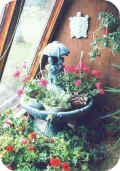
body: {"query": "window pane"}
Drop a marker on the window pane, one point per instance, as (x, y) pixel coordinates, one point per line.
(29, 32)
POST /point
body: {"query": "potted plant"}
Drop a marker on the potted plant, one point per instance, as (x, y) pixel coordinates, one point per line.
(34, 92)
(81, 82)
(70, 97)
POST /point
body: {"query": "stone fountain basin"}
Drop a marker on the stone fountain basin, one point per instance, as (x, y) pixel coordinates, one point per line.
(60, 116)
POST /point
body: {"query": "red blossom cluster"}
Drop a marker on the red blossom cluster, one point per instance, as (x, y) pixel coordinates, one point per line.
(55, 162)
(9, 148)
(17, 74)
(24, 141)
(31, 148)
(43, 82)
(82, 67)
(21, 73)
(32, 135)
(10, 167)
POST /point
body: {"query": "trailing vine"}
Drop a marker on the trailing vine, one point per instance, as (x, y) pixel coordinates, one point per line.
(109, 39)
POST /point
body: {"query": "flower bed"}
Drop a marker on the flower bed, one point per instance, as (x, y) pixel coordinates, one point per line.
(21, 148)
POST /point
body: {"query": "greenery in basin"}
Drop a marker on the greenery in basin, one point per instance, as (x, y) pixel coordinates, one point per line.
(57, 99)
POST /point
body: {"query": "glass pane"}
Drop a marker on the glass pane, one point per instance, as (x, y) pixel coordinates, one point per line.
(30, 29)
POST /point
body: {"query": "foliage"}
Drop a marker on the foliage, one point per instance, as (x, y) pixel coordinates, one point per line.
(77, 83)
(33, 89)
(107, 20)
(114, 91)
(22, 149)
(55, 99)
(80, 80)
(109, 38)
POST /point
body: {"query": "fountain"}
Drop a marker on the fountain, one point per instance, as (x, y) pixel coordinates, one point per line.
(48, 121)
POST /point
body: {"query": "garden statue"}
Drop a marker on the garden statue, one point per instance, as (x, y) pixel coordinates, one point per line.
(55, 52)
(59, 106)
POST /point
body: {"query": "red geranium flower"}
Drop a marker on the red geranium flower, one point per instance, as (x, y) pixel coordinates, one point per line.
(98, 85)
(26, 79)
(42, 82)
(101, 91)
(32, 135)
(96, 73)
(9, 148)
(55, 162)
(69, 68)
(86, 69)
(81, 65)
(77, 82)
(67, 169)
(16, 74)
(10, 167)
(24, 141)
(31, 148)
(20, 92)
(64, 165)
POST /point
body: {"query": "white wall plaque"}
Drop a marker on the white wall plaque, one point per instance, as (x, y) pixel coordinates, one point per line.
(79, 25)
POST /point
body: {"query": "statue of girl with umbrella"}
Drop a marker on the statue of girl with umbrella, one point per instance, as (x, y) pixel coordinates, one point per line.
(53, 53)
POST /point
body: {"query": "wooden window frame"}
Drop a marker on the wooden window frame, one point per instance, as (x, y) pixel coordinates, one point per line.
(8, 13)
(8, 31)
(44, 40)
(47, 35)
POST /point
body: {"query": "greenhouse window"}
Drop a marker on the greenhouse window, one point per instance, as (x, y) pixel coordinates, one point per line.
(30, 29)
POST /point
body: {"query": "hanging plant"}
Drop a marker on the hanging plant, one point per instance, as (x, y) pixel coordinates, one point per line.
(107, 20)
(107, 40)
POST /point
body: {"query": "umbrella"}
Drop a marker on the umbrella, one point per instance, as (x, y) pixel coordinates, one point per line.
(56, 49)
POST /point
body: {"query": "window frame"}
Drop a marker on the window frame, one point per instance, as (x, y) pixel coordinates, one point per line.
(8, 30)
(47, 34)
(6, 20)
